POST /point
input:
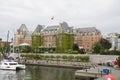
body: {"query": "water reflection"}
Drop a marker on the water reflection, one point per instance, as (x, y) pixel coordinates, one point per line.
(48, 73)
(11, 75)
(39, 73)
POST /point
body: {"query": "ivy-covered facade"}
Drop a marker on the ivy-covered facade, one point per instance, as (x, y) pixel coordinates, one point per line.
(36, 42)
(64, 42)
(57, 39)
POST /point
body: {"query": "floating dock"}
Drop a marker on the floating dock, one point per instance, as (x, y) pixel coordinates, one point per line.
(97, 73)
(92, 73)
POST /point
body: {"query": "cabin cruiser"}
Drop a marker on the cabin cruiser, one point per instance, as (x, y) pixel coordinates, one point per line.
(11, 65)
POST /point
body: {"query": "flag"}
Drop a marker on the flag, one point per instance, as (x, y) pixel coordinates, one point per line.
(52, 17)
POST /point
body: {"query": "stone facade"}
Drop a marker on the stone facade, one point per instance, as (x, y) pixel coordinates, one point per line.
(22, 36)
(86, 37)
(52, 37)
(61, 37)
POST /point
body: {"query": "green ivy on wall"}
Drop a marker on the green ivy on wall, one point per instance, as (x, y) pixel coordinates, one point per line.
(36, 41)
(64, 42)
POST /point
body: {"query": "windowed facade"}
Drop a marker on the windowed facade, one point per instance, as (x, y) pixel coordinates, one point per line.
(86, 37)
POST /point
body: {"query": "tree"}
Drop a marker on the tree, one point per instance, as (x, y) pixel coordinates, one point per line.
(98, 48)
(118, 60)
(75, 47)
(118, 35)
(105, 43)
(2, 51)
(25, 49)
(82, 50)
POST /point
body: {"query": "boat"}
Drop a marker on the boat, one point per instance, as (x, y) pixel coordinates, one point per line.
(11, 65)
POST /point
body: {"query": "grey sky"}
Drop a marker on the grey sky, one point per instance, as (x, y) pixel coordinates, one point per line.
(102, 14)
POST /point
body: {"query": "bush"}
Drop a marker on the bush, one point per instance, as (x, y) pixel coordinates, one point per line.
(77, 58)
(86, 58)
(74, 52)
(110, 52)
(70, 58)
(82, 58)
(118, 60)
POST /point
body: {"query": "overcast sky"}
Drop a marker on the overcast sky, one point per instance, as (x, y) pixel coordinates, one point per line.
(102, 14)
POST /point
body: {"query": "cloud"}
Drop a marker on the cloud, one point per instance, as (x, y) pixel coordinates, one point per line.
(103, 14)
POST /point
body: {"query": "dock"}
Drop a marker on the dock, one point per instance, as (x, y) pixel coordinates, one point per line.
(97, 73)
(92, 73)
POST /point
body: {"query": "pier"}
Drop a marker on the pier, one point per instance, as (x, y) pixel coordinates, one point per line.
(97, 73)
(92, 73)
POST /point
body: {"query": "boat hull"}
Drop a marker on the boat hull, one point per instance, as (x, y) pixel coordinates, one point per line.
(18, 67)
(7, 65)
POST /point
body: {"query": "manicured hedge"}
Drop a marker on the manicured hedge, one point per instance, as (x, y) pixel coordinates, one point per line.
(58, 57)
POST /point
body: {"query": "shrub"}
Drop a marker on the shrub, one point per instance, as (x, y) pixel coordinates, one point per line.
(71, 58)
(118, 60)
(74, 52)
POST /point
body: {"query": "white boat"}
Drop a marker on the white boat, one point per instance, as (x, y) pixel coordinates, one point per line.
(11, 65)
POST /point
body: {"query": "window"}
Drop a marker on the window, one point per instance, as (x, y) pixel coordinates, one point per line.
(5, 64)
(12, 63)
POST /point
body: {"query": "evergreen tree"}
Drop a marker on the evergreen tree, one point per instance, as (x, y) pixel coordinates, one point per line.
(105, 43)
(98, 48)
(118, 60)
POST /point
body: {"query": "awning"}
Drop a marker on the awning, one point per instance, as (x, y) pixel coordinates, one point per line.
(24, 44)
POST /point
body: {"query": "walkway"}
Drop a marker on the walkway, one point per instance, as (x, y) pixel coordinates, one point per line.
(64, 64)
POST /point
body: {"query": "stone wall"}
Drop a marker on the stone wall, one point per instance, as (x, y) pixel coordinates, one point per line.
(102, 58)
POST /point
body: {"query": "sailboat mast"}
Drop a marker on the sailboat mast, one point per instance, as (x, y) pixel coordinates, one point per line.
(7, 50)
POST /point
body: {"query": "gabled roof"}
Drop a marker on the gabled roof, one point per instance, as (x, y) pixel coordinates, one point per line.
(38, 29)
(64, 25)
(61, 27)
(52, 28)
(88, 29)
(23, 28)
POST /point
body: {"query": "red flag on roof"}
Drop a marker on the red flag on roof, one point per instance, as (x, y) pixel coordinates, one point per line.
(52, 17)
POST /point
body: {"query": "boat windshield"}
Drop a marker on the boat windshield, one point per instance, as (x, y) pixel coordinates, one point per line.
(12, 63)
(5, 64)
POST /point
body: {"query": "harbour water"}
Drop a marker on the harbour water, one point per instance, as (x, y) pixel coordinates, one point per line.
(39, 73)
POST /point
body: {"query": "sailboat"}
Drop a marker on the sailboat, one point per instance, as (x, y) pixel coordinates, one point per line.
(8, 63)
